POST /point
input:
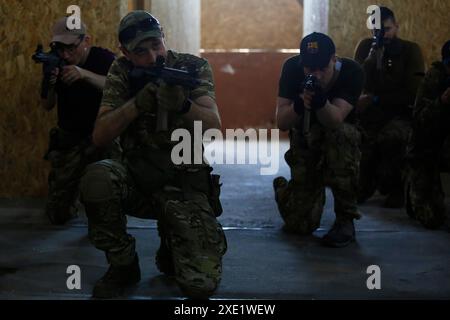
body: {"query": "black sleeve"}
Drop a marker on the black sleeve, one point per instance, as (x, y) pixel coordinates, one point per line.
(352, 84)
(106, 61)
(290, 80)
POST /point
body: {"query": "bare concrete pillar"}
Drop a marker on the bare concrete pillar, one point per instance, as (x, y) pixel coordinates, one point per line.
(181, 22)
(315, 16)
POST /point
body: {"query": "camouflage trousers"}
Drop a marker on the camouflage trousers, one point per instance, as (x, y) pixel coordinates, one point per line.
(187, 224)
(428, 154)
(383, 158)
(332, 159)
(67, 167)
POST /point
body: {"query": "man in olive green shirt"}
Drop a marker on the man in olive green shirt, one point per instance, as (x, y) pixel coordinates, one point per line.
(393, 70)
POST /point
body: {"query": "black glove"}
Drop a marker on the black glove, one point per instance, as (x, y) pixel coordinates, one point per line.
(172, 98)
(299, 106)
(319, 100)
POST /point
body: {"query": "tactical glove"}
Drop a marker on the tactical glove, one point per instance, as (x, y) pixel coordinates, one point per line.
(299, 106)
(146, 98)
(172, 98)
(319, 100)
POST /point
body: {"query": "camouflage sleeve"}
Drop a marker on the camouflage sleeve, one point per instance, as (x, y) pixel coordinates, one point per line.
(116, 91)
(207, 87)
(428, 100)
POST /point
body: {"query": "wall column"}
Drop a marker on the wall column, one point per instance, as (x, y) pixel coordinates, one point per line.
(181, 22)
(315, 16)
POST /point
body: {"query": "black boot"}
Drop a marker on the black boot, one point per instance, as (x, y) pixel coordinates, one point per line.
(116, 279)
(341, 234)
(395, 200)
(279, 182)
(60, 216)
(164, 261)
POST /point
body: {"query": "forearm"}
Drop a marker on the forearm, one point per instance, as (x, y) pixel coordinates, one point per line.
(209, 116)
(96, 80)
(110, 124)
(330, 116)
(287, 118)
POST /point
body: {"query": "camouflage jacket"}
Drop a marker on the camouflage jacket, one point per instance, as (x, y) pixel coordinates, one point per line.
(141, 132)
(428, 102)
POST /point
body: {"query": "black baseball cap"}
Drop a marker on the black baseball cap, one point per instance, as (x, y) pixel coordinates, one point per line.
(446, 53)
(316, 50)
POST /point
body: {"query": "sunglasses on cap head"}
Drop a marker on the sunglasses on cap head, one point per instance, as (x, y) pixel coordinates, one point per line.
(129, 33)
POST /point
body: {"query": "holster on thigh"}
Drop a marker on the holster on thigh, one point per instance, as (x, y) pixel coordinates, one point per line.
(195, 179)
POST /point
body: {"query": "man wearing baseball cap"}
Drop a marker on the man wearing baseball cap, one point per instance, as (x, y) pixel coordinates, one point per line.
(393, 70)
(324, 150)
(76, 89)
(147, 183)
(428, 147)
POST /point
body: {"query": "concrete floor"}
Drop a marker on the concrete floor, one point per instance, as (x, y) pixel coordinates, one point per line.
(262, 262)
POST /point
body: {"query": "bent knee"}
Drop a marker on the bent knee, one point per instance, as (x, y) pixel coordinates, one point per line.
(96, 184)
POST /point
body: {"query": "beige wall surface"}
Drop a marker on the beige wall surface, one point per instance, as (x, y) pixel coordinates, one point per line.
(260, 24)
(24, 124)
(423, 21)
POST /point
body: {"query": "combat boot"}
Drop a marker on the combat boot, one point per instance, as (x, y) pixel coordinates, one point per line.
(279, 182)
(395, 200)
(341, 234)
(60, 217)
(164, 261)
(116, 279)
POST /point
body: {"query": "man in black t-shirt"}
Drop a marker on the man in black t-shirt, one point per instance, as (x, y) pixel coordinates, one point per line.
(324, 151)
(76, 89)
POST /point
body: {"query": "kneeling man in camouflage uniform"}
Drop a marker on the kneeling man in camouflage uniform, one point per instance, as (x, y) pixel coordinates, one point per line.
(316, 99)
(146, 183)
(428, 149)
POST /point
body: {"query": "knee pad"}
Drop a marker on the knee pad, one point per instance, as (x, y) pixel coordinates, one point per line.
(96, 184)
(197, 244)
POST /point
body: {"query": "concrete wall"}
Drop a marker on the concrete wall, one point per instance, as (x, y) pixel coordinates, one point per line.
(262, 24)
(247, 82)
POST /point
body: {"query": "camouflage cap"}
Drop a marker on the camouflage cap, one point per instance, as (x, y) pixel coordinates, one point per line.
(61, 33)
(137, 26)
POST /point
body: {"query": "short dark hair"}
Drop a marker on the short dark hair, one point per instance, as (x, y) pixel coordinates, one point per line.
(386, 14)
